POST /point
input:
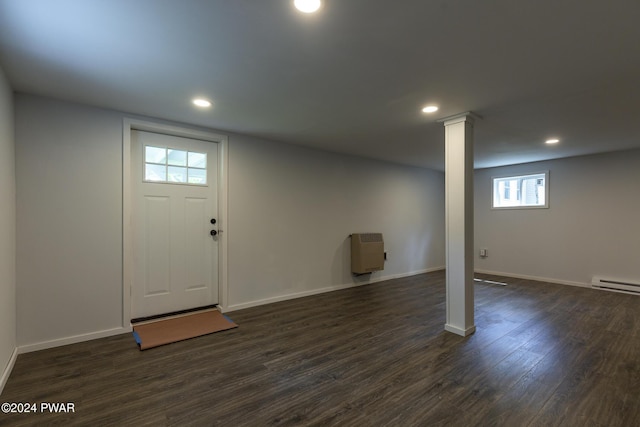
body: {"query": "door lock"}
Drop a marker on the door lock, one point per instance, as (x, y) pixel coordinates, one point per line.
(214, 233)
(213, 221)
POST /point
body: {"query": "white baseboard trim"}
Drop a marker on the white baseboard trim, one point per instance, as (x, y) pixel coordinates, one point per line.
(7, 370)
(326, 289)
(73, 339)
(460, 331)
(536, 278)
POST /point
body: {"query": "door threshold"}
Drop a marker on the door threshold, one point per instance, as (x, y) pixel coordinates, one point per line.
(172, 314)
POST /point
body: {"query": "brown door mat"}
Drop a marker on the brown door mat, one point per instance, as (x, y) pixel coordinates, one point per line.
(192, 325)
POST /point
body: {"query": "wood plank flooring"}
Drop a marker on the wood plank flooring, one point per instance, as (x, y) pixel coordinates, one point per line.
(377, 355)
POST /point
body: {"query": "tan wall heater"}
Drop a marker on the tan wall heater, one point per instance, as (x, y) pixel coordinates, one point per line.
(367, 252)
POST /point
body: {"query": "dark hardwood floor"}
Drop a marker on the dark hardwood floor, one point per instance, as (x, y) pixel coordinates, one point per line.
(377, 355)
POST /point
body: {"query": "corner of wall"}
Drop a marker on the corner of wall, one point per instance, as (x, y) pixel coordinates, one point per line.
(4, 376)
(589, 228)
(8, 350)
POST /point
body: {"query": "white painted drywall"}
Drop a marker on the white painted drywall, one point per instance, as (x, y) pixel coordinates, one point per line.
(7, 227)
(291, 210)
(69, 222)
(591, 227)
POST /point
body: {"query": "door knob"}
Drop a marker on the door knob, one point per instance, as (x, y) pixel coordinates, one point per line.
(214, 232)
(213, 220)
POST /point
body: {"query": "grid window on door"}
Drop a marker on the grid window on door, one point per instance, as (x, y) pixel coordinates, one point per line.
(163, 164)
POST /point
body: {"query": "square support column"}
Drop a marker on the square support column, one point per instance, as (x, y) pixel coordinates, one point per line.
(459, 223)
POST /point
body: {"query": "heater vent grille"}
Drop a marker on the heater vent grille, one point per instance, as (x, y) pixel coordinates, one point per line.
(370, 237)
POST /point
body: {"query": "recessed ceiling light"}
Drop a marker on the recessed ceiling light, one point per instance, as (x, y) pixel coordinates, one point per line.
(307, 6)
(430, 109)
(552, 141)
(200, 102)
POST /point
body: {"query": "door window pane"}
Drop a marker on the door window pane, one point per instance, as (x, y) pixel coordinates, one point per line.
(197, 176)
(155, 172)
(155, 155)
(177, 157)
(177, 174)
(197, 160)
(162, 164)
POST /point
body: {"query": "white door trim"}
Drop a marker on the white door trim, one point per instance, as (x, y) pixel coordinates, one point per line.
(127, 204)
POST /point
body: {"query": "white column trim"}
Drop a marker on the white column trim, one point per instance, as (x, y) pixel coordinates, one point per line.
(468, 116)
(459, 223)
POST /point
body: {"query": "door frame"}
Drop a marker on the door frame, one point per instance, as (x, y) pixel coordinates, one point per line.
(130, 125)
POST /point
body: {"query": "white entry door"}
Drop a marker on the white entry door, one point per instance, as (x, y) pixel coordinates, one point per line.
(174, 212)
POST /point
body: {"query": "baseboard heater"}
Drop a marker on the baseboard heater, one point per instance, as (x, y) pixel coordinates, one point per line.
(615, 285)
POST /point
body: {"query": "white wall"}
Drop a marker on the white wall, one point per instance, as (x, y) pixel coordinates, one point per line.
(69, 224)
(592, 226)
(290, 212)
(7, 231)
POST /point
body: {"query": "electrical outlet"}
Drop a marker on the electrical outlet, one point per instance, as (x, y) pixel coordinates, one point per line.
(484, 253)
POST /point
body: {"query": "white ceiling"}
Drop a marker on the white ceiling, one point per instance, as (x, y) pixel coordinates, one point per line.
(351, 78)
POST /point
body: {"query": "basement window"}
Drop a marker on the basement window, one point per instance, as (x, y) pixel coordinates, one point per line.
(168, 165)
(521, 191)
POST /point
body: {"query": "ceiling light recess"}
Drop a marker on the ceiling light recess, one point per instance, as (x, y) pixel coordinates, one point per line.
(201, 102)
(552, 141)
(307, 6)
(430, 109)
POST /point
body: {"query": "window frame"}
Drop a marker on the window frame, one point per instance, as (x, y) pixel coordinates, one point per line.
(521, 175)
(167, 165)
